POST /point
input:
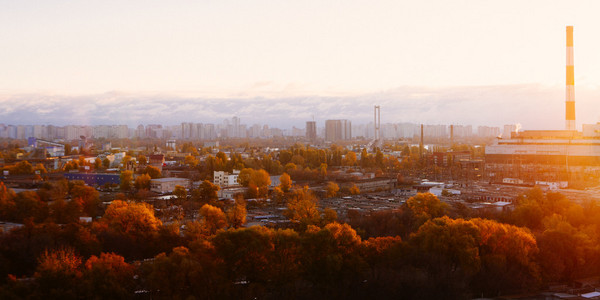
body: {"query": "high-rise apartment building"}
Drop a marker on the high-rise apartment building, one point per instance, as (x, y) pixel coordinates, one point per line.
(311, 130)
(336, 130)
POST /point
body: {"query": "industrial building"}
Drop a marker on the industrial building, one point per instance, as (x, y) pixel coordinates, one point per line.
(94, 179)
(548, 155)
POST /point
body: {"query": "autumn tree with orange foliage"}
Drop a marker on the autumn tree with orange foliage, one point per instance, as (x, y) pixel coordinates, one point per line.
(57, 273)
(128, 228)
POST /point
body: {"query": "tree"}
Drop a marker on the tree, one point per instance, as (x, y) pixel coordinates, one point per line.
(244, 176)
(126, 159)
(7, 202)
(236, 215)
(349, 159)
(62, 212)
(126, 177)
(40, 168)
(365, 159)
(57, 273)
(379, 158)
(191, 161)
(136, 219)
(208, 191)
(302, 208)
(87, 197)
(129, 229)
(323, 170)
(331, 259)
(354, 190)
(183, 274)
(449, 251)
(23, 167)
(566, 252)
(180, 192)
(107, 277)
(106, 163)
(426, 205)
(332, 189)
(290, 167)
(29, 205)
(261, 180)
(508, 258)
(285, 182)
(153, 171)
(257, 181)
(213, 218)
(142, 182)
(97, 163)
(246, 254)
(329, 216)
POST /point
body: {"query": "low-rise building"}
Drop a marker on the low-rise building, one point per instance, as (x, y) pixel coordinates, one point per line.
(167, 185)
(230, 192)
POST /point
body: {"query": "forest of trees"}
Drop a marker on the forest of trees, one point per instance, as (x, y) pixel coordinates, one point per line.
(425, 250)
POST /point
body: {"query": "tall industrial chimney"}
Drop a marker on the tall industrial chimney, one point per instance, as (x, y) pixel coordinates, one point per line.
(570, 89)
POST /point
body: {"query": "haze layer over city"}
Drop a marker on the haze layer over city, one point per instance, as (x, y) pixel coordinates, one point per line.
(313, 150)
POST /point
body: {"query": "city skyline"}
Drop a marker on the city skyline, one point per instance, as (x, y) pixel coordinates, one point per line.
(478, 106)
(332, 131)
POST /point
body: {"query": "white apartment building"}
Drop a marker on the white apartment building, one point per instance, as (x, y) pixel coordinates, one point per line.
(224, 179)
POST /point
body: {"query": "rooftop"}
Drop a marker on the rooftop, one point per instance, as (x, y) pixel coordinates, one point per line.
(169, 179)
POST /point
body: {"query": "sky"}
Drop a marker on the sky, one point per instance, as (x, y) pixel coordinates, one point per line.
(423, 61)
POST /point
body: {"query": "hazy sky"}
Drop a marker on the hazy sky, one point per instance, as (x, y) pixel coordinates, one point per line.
(219, 48)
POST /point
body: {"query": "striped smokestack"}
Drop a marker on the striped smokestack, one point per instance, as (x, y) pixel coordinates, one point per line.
(570, 91)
